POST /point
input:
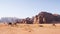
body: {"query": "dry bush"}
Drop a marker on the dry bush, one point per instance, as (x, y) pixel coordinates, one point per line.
(54, 25)
(41, 26)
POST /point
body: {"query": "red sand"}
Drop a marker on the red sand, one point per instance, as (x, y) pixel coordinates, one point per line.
(30, 29)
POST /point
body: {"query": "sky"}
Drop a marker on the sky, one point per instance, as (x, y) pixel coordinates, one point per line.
(27, 8)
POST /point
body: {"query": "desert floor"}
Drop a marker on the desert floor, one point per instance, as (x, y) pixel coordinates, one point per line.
(30, 29)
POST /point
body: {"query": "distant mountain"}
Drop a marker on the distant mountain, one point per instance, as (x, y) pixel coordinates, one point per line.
(8, 19)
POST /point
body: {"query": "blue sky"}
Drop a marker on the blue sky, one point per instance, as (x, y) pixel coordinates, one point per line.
(27, 8)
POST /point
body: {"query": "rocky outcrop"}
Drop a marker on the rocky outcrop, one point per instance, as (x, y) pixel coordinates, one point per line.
(29, 20)
(45, 17)
(36, 20)
(56, 17)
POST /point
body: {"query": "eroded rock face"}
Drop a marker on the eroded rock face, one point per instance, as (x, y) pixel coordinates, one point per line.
(44, 17)
(56, 17)
(36, 20)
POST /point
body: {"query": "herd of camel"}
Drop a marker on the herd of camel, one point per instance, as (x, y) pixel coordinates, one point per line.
(41, 18)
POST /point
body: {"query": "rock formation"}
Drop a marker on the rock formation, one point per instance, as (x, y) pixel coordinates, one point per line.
(45, 17)
(41, 18)
(29, 20)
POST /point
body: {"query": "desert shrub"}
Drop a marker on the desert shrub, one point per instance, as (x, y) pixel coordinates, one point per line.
(53, 24)
(9, 23)
(40, 25)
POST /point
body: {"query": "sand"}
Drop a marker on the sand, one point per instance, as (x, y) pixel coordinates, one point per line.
(30, 29)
